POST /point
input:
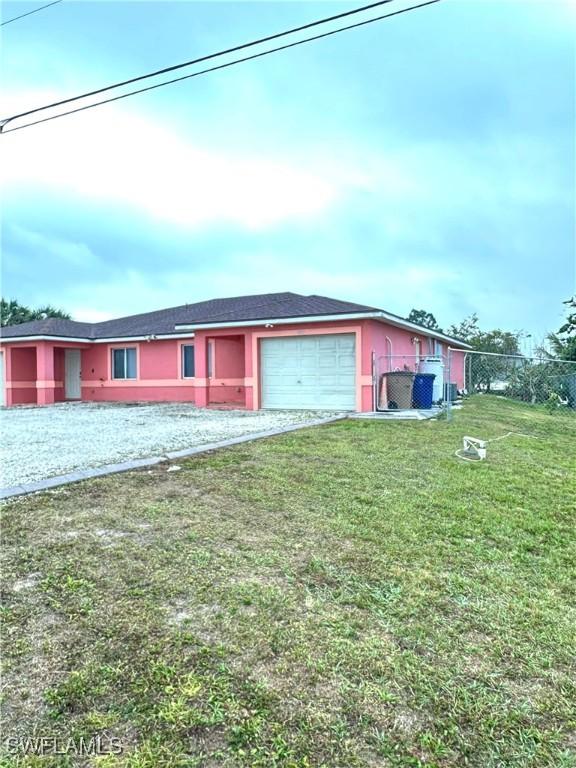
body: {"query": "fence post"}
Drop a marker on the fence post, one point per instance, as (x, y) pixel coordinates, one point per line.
(447, 389)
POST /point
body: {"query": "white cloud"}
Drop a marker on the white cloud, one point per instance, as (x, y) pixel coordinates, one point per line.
(73, 254)
(394, 288)
(87, 315)
(116, 156)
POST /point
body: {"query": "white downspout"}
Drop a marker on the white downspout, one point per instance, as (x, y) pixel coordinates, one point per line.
(374, 382)
(389, 342)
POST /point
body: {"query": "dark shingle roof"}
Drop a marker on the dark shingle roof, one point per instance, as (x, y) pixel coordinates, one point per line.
(232, 310)
(50, 326)
(163, 321)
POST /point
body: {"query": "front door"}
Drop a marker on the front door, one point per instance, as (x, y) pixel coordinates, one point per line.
(72, 387)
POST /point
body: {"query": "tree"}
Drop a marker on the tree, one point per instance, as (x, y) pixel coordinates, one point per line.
(496, 341)
(563, 343)
(14, 313)
(562, 348)
(484, 370)
(503, 358)
(465, 330)
(569, 326)
(423, 318)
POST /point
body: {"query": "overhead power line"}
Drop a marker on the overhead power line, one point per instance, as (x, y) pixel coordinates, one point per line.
(4, 122)
(189, 63)
(41, 8)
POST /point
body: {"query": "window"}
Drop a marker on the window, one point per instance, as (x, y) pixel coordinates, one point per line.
(124, 363)
(187, 361)
(210, 366)
(438, 349)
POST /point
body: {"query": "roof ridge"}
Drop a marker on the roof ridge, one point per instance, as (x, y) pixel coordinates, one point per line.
(196, 303)
(342, 301)
(262, 304)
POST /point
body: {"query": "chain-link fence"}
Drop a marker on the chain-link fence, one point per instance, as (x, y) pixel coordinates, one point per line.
(536, 380)
(434, 382)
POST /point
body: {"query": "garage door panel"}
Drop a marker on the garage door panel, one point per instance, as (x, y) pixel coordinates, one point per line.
(346, 361)
(328, 342)
(315, 372)
(329, 361)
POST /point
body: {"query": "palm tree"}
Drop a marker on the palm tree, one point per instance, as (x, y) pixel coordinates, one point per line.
(13, 313)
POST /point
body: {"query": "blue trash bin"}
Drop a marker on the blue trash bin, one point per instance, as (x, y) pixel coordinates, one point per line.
(422, 390)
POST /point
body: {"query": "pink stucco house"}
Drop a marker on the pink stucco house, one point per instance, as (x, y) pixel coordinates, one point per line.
(279, 350)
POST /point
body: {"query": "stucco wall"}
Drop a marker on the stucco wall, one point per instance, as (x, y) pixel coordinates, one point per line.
(386, 339)
(24, 364)
(159, 359)
(23, 375)
(229, 357)
(235, 376)
(158, 373)
(59, 372)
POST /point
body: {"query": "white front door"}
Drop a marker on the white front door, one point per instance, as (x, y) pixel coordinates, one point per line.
(72, 386)
(2, 378)
(310, 372)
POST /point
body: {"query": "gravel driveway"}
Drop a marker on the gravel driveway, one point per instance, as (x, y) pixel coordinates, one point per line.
(38, 443)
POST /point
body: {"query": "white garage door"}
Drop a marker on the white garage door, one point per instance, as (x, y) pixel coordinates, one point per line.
(316, 372)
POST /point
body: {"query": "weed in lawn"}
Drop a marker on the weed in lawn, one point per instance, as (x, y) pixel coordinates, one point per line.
(340, 597)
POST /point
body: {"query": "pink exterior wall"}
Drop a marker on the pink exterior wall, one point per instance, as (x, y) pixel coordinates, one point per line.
(400, 342)
(59, 393)
(24, 364)
(158, 359)
(227, 384)
(23, 376)
(35, 371)
(158, 374)
(457, 363)
(229, 357)
(206, 389)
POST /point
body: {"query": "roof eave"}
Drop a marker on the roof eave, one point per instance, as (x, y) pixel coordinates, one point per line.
(393, 320)
(45, 337)
(101, 340)
(378, 315)
(278, 321)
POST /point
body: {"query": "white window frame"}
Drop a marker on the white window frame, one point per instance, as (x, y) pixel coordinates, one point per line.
(113, 363)
(182, 361)
(210, 359)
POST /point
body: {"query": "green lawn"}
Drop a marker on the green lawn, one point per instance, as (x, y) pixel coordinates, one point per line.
(350, 595)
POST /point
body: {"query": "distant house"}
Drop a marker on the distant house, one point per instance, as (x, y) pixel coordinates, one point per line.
(278, 350)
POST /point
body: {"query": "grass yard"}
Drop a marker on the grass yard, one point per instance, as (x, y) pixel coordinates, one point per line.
(349, 595)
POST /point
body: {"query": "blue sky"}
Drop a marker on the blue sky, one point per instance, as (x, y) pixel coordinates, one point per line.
(423, 161)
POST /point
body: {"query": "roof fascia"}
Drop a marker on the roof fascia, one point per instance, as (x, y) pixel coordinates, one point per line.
(379, 315)
(149, 337)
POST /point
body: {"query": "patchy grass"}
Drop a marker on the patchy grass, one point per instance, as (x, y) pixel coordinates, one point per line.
(350, 595)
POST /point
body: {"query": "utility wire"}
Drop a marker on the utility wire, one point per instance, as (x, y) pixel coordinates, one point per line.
(201, 72)
(30, 12)
(198, 60)
(165, 70)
